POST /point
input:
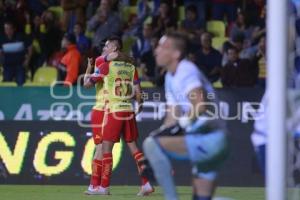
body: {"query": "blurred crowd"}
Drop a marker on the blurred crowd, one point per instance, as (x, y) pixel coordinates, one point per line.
(63, 33)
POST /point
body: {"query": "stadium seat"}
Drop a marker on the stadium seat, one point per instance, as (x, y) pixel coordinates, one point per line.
(127, 44)
(127, 11)
(133, 10)
(8, 84)
(181, 13)
(57, 11)
(89, 34)
(34, 84)
(217, 42)
(45, 75)
(147, 84)
(218, 84)
(216, 27)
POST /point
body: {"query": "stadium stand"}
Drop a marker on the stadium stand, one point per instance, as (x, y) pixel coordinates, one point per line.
(217, 28)
(45, 75)
(217, 42)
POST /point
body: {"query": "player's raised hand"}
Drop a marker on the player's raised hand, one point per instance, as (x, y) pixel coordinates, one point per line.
(90, 61)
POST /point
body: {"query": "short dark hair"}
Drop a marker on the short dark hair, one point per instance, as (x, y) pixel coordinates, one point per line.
(70, 37)
(180, 42)
(231, 47)
(192, 8)
(207, 33)
(118, 41)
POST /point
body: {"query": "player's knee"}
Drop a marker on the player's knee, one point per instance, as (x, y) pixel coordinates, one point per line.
(98, 152)
(149, 144)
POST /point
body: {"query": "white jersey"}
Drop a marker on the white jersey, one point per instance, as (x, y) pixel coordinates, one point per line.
(259, 134)
(179, 84)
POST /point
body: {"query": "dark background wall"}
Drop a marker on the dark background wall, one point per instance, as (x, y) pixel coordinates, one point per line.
(239, 170)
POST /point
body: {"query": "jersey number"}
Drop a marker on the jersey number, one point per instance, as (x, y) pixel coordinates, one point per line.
(122, 87)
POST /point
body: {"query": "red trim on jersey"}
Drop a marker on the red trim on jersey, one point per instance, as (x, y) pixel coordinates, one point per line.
(136, 79)
(100, 72)
(99, 60)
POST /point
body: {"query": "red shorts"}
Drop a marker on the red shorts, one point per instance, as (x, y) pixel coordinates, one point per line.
(111, 126)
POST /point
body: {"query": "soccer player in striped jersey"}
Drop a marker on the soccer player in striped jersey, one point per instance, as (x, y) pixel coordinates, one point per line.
(116, 82)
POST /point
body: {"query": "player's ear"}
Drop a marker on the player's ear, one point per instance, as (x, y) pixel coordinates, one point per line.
(177, 54)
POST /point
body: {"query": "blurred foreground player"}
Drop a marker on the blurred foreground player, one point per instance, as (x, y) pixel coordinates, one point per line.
(116, 83)
(204, 142)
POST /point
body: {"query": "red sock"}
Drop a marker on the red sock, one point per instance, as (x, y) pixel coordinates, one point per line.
(139, 156)
(107, 163)
(96, 172)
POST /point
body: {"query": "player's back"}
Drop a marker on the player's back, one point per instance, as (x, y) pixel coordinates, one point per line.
(118, 84)
(179, 85)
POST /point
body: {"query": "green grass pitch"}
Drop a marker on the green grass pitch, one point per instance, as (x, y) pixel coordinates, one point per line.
(46, 192)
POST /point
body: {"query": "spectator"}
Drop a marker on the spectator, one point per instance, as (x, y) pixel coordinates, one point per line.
(238, 72)
(73, 12)
(254, 9)
(224, 7)
(146, 7)
(83, 43)
(257, 54)
(16, 52)
(148, 64)
(2, 16)
(32, 31)
(260, 26)
(15, 12)
(209, 59)
(104, 23)
(192, 23)
(242, 26)
(92, 6)
(37, 7)
(200, 7)
(260, 59)
(51, 35)
(80, 12)
(165, 20)
(296, 11)
(21, 10)
(132, 26)
(70, 62)
(237, 41)
(143, 43)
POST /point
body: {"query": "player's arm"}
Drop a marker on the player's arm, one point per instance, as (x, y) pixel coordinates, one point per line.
(98, 75)
(87, 83)
(139, 97)
(172, 113)
(196, 98)
(138, 93)
(91, 79)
